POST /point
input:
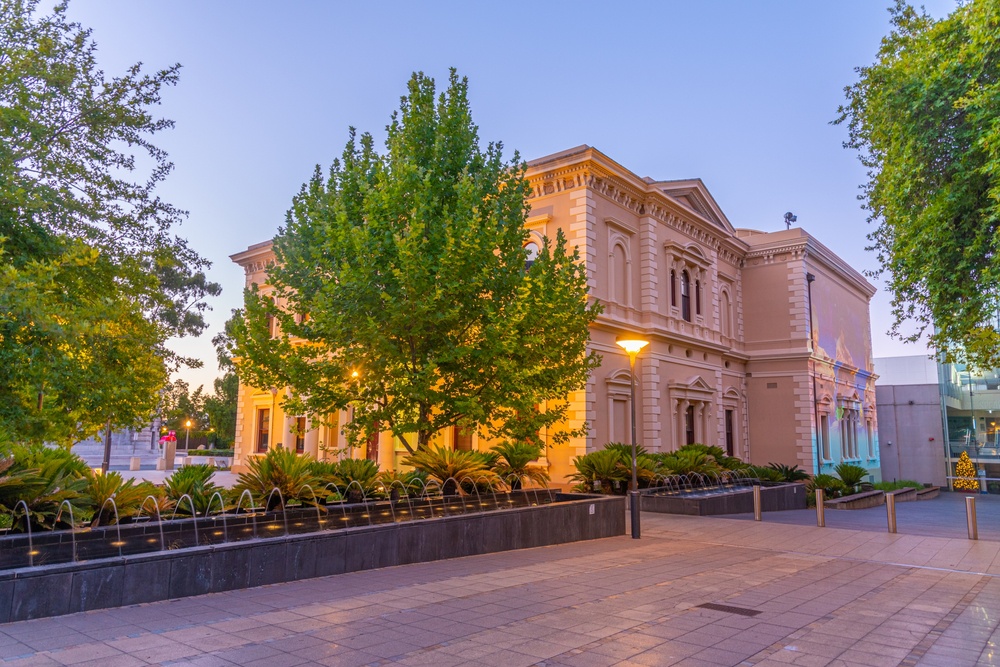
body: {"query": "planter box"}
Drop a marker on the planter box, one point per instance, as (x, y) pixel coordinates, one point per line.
(65, 588)
(904, 495)
(772, 499)
(928, 492)
(858, 501)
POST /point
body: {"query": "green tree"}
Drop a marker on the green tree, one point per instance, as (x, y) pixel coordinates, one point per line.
(923, 118)
(404, 290)
(78, 204)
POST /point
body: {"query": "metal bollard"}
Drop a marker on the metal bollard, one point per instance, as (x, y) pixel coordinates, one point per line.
(756, 502)
(890, 511)
(820, 509)
(970, 517)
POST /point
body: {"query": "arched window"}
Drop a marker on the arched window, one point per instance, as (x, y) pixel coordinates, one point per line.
(531, 250)
(673, 288)
(620, 275)
(726, 316)
(697, 297)
(685, 296)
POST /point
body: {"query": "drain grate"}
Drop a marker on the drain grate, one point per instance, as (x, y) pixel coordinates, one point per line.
(742, 611)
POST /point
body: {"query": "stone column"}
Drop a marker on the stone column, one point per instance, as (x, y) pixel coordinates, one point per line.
(312, 440)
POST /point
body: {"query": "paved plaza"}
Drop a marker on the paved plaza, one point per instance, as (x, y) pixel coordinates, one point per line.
(693, 591)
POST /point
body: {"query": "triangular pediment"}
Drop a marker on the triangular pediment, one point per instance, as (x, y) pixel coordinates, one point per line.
(692, 194)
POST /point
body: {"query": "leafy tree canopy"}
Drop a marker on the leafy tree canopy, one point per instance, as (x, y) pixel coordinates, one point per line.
(94, 281)
(401, 288)
(924, 119)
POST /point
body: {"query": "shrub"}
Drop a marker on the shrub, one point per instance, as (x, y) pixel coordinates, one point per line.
(606, 466)
(686, 461)
(789, 473)
(850, 474)
(411, 481)
(194, 481)
(125, 495)
(280, 469)
(44, 478)
(356, 477)
(900, 484)
(450, 467)
(513, 464)
(765, 473)
(832, 486)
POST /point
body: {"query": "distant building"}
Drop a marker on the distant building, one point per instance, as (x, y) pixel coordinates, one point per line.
(760, 341)
(932, 413)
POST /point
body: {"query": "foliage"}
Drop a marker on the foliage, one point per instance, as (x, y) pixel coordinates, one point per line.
(220, 409)
(280, 469)
(48, 477)
(410, 482)
(686, 461)
(766, 473)
(194, 481)
(92, 281)
(851, 474)
(451, 467)
(102, 490)
(361, 473)
(405, 273)
(899, 484)
(514, 464)
(606, 467)
(965, 474)
(832, 486)
(923, 118)
(789, 473)
(625, 449)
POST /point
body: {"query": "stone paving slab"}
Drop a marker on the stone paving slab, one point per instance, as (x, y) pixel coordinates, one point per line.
(777, 594)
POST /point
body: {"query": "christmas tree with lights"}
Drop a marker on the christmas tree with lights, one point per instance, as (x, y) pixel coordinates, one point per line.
(965, 474)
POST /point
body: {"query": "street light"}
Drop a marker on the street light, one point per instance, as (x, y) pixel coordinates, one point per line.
(187, 436)
(632, 344)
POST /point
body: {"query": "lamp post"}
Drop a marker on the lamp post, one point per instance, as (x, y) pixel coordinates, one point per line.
(632, 344)
(187, 435)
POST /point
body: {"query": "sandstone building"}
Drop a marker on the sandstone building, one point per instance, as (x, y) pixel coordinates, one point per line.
(760, 341)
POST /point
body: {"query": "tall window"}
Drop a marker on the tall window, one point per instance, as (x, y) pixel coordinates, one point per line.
(697, 297)
(685, 296)
(824, 436)
(870, 432)
(730, 433)
(462, 439)
(531, 250)
(673, 288)
(620, 275)
(689, 425)
(300, 434)
(263, 429)
(726, 316)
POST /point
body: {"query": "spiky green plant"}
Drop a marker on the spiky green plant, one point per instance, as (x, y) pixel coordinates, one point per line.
(689, 461)
(514, 464)
(290, 473)
(606, 466)
(449, 467)
(765, 473)
(125, 494)
(410, 482)
(789, 473)
(45, 478)
(194, 481)
(832, 486)
(354, 474)
(850, 474)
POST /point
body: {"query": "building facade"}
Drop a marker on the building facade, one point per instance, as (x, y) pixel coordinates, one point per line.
(760, 342)
(932, 412)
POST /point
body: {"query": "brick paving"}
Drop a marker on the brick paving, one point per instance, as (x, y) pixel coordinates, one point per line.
(779, 595)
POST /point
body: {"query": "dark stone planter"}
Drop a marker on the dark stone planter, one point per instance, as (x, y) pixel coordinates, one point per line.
(63, 588)
(857, 501)
(772, 499)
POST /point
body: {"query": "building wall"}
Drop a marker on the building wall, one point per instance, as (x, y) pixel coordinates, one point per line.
(747, 326)
(911, 432)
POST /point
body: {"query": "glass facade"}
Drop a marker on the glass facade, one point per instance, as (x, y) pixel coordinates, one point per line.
(971, 406)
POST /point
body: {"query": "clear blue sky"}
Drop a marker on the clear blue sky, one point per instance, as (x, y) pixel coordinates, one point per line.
(737, 93)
